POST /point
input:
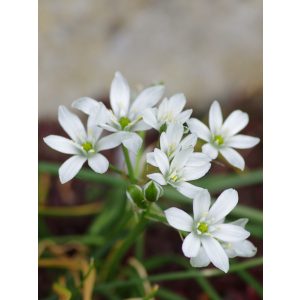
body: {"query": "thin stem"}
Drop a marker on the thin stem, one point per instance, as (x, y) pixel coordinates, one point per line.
(129, 165)
(251, 281)
(116, 256)
(181, 275)
(116, 170)
(70, 211)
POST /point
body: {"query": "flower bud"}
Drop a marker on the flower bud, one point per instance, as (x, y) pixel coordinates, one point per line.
(152, 191)
(135, 194)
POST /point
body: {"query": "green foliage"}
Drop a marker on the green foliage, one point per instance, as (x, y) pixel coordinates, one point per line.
(115, 229)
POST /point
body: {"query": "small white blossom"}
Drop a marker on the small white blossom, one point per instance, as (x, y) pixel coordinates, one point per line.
(168, 112)
(124, 116)
(242, 248)
(222, 137)
(207, 229)
(83, 145)
(185, 166)
(172, 141)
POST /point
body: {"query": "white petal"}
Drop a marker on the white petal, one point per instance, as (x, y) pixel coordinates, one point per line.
(215, 253)
(157, 177)
(141, 126)
(71, 124)
(223, 205)
(245, 248)
(179, 219)
(181, 158)
(233, 157)
(215, 117)
(151, 159)
(188, 142)
(174, 133)
(70, 168)
(161, 161)
(98, 163)
(193, 173)
(132, 142)
(85, 104)
(146, 99)
(210, 150)
(184, 116)
(188, 190)
(191, 245)
(110, 141)
(201, 260)
(198, 159)
(119, 95)
(61, 144)
(108, 127)
(149, 117)
(199, 129)
(201, 204)
(240, 222)
(163, 109)
(235, 122)
(177, 103)
(230, 233)
(99, 115)
(164, 143)
(93, 130)
(241, 141)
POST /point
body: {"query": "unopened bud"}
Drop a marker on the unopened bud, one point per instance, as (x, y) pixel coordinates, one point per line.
(135, 194)
(152, 191)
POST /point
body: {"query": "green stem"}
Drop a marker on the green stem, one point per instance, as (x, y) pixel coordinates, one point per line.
(116, 170)
(114, 260)
(129, 165)
(84, 174)
(251, 281)
(70, 211)
(182, 275)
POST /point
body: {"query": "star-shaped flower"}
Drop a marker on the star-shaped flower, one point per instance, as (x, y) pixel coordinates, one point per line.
(222, 136)
(83, 145)
(207, 229)
(185, 166)
(168, 112)
(125, 116)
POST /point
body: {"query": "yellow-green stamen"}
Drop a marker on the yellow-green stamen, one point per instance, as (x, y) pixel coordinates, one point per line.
(202, 227)
(124, 121)
(87, 146)
(218, 139)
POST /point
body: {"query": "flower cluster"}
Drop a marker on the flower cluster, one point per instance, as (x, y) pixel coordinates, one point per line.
(175, 161)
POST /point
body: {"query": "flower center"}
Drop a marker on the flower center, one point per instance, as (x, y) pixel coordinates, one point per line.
(124, 121)
(202, 227)
(172, 148)
(168, 117)
(218, 139)
(87, 146)
(174, 176)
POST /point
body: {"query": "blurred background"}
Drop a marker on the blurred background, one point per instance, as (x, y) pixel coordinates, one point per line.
(207, 50)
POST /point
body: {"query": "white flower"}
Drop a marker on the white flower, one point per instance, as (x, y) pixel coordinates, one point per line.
(168, 112)
(222, 137)
(242, 248)
(124, 116)
(185, 166)
(207, 230)
(84, 145)
(171, 142)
